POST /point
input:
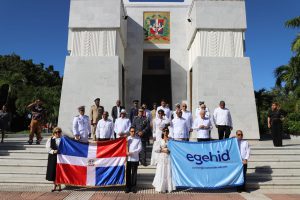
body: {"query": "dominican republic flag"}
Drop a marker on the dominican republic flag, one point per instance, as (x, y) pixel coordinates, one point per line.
(91, 164)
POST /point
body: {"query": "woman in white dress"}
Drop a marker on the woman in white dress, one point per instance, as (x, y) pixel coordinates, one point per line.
(159, 124)
(163, 175)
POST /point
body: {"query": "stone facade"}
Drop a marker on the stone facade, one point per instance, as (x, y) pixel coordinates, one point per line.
(206, 56)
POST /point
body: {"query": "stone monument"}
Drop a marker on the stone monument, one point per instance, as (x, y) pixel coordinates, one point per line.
(180, 50)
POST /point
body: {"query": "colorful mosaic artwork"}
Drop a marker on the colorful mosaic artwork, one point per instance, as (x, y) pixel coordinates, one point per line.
(157, 27)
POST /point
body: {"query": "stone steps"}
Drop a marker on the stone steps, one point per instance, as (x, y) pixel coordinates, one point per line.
(42, 156)
(268, 167)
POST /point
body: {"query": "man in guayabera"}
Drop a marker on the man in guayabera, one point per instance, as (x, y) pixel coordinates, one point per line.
(37, 119)
(96, 113)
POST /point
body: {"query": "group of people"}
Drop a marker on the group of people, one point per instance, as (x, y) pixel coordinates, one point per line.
(161, 124)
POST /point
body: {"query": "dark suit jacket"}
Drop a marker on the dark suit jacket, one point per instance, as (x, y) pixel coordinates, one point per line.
(114, 112)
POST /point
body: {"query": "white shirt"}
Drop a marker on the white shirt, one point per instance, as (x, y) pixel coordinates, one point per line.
(180, 128)
(158, 125)
(148, 115)
(166, 110)
(202, 133)
(48, 144)
(122, 125)
(134, 147)
(174, 114)
(189, 118)
(222, 117)
(105, 129)
(81, 127)
(244, 149)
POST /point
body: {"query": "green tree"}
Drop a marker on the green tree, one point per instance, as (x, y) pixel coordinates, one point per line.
(27, 82)
(289, 75)
(295, 23)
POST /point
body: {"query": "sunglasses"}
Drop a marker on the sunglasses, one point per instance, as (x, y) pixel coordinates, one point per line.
(57, 132)
(131, 131)
(239, 134)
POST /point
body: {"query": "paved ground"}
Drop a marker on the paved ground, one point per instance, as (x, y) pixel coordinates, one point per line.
(42, 191)
(119, 196)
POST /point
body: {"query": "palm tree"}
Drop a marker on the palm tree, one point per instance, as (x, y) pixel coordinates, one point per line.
(289, 75)
(295, 23)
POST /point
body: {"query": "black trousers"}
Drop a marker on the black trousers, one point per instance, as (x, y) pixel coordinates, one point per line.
(243, 187)
(131, 175)
(142, 154)
(203, 139)
(276, 130)
(2, 131)
(223, 130)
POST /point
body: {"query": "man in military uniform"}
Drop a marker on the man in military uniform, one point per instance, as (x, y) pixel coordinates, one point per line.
(96, 113)
(142, 127)
(81, 126)
(38, 116)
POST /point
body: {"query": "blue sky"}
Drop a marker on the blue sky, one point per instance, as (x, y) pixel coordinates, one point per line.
(37, 29)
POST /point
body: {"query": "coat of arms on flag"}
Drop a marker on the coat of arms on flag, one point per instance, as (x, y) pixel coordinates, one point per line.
(157, 27)
(91, 164)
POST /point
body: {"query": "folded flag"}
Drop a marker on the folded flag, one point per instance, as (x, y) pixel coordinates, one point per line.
(91, 164)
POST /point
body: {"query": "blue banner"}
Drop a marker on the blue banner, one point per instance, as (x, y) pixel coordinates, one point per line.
(213, 164)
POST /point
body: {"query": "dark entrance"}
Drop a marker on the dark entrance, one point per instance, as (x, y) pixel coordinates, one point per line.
(156, 80)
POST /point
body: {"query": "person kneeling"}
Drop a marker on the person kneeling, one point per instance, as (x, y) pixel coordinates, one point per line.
(134, 148)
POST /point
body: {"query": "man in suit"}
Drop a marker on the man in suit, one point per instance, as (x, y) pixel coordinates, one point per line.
(96, 113)
(116, 110)
(134, 110)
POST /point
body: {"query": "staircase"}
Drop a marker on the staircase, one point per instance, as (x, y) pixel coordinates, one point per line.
(269, 167)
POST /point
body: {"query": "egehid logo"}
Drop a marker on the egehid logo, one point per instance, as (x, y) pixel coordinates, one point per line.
(199, 159)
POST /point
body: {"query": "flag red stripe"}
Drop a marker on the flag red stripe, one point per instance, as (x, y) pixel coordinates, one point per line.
(112, 148)
(70, 174)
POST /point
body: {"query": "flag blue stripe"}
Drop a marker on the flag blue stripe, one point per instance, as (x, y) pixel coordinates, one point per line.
(73, 148)
(110, 175)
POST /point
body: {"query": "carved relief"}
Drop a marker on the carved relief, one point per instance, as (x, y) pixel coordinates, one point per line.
(217, 44)
(93, 42)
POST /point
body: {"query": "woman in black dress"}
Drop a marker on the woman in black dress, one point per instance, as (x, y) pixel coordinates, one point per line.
(275, 117)
(52, 147)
